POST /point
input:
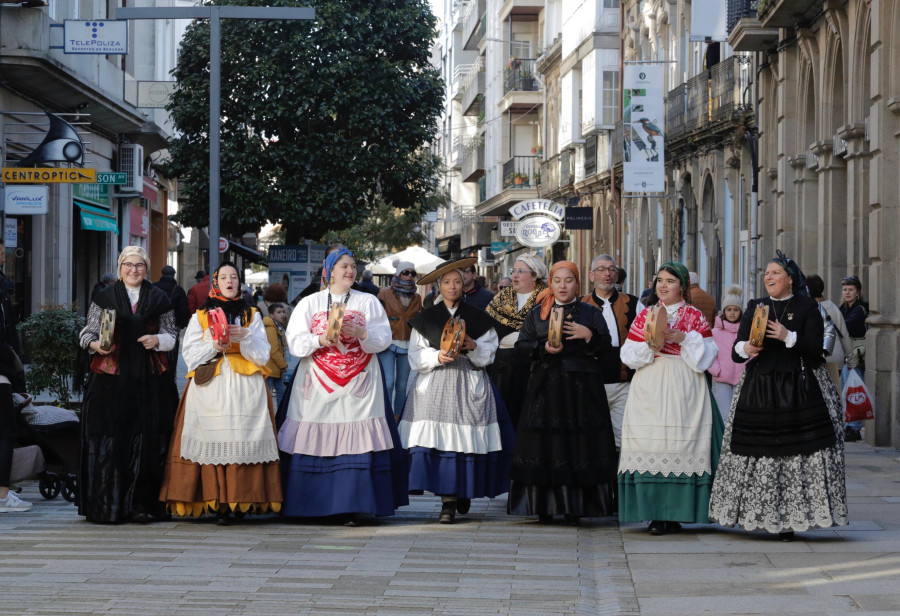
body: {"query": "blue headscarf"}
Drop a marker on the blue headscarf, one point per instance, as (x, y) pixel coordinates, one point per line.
(330, 261)
(798, 286)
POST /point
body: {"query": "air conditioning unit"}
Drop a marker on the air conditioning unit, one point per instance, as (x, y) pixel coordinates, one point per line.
(131, 162)
(485, 257)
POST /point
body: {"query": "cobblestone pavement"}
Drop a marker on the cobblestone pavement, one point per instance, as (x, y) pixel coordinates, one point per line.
(53, 563)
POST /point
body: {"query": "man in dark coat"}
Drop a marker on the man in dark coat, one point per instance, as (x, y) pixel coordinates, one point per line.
(168, 285)
(473, 293)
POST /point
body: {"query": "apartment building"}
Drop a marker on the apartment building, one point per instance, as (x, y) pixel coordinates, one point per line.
(56, 258)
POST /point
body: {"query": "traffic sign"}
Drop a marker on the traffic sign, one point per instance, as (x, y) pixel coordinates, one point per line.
(223, 244)
(108, 177)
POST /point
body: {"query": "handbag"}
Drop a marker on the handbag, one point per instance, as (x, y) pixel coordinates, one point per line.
(856, 398)
(204, 373)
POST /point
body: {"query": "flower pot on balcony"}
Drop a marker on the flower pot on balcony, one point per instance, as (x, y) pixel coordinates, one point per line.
(520, 181)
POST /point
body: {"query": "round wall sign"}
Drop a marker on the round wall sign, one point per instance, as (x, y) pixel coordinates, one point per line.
(538, 231)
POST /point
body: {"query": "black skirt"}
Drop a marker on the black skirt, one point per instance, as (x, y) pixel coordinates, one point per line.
(780, 414)
(125, 425)
(564, 461)
(509, 372)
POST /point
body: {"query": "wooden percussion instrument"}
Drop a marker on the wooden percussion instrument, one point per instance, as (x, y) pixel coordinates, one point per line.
(655, 326)
(758, 325)
(555, 326)
(107, 328)
(335, 322)
(453, 336)
(218, 327)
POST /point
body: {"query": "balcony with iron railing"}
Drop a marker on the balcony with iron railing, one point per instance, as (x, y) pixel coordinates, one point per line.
(590, 155)
(459, 78)
(710, 102)
(521, 172)
(519, 76)
(566, 168)
(473, 91)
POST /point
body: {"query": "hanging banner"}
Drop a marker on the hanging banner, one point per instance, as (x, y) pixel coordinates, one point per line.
(644, 125)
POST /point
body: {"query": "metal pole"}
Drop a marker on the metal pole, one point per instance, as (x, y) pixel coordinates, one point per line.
(215, 87)
(753, 145)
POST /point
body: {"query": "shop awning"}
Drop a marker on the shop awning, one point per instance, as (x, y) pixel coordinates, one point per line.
(246, 252)
(96, 219)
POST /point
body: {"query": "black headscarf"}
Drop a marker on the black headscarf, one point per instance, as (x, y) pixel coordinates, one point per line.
(798, 280)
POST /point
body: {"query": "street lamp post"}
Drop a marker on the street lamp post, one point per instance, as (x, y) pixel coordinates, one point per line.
(214, 14)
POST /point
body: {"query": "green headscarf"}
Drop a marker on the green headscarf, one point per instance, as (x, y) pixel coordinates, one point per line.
(681, 271)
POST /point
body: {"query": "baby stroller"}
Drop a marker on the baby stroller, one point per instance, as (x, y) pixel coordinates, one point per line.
(55, 431)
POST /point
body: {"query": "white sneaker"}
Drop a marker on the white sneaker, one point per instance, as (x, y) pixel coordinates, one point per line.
(12, 502)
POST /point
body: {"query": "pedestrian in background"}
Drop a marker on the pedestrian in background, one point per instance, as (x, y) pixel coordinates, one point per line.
(782, 465)
(671, 436)
(105, 280)
(198, 293)
(855, 312)
(275, 293)
(564, 460)
(223, 457)
(619, 311)
(725, 371)
(367, 285)
(504, 282)
(11, 373)
(342, 450)
(402, 303)
(177, 296)
(130, 399)
(843, 349)
(702, 300)
(474, 292)
(458, 435)
(509, 308)
(277, 365)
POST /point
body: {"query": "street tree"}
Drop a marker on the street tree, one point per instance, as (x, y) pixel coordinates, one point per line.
(321, 120)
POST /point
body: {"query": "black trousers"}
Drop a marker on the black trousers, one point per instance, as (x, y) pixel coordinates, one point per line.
(7, 432)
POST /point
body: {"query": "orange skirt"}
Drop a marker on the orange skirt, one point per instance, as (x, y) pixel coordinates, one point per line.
(191, 489)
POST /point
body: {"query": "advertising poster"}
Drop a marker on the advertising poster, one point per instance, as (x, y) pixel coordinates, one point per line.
(294, 266)
(644, 128)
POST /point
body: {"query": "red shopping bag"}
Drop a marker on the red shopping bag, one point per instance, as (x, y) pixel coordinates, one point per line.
(856, 399)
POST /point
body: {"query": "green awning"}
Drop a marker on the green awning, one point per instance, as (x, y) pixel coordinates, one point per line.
(96, 219)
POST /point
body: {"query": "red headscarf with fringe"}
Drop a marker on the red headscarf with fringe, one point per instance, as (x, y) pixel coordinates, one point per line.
(546, 298)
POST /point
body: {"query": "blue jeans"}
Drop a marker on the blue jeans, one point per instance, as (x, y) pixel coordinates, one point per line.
(395, 365)
(276, 386)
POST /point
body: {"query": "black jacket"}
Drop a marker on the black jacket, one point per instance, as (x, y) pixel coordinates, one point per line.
(178, 297)
(798, 314)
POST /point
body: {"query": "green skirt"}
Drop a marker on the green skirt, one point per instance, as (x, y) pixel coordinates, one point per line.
(671, 498)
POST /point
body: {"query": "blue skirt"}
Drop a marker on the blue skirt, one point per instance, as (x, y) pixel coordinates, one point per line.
(373, 483)
(465, 475)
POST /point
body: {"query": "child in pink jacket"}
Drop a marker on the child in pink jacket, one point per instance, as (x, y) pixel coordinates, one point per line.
(724, 371)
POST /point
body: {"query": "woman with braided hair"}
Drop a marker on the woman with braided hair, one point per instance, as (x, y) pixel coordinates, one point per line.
(671, 432)
(223, 457)
(782, 466)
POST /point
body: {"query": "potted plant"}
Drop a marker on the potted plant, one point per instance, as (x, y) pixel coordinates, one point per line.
(50, 337)
(537, 151)
(520, 178)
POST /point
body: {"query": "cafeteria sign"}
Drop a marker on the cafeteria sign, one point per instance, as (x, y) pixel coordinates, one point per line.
(538, 222)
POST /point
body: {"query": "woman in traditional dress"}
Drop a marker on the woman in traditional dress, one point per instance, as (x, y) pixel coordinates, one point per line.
(130, 399)
(509, 308)
(782, 466)
(564, 462)
(343, 454)
(459, 438)
(671, 432)
(224, 457)
(401, 304)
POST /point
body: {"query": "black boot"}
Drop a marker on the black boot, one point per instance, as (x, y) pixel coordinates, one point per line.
(448, 513)
(463, 505)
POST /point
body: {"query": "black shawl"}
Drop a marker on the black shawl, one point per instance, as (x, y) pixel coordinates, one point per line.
(431, 321)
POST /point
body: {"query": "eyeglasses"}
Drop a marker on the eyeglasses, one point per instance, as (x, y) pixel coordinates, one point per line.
(408, 273)
(850, 280)
(609, 269)
(134, 266)
(520, 272)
